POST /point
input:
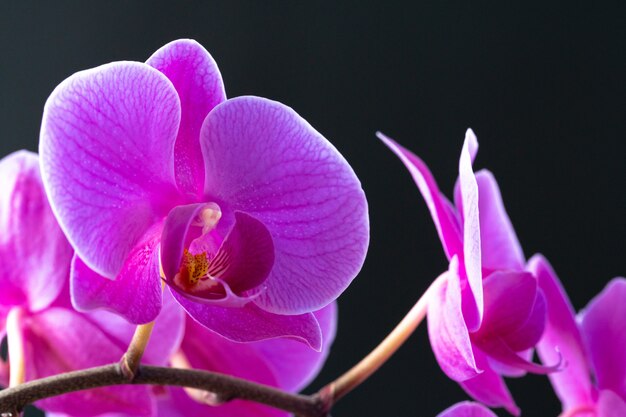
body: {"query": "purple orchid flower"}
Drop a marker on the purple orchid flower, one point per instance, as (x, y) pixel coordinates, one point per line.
(486, 317)
(35, 311)
(467, 409)
(593, 383)
(254, 217)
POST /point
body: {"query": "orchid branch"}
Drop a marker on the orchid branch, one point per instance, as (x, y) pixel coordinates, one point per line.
(227, 387)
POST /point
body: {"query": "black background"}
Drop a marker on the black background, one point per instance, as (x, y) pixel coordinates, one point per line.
(541, 85)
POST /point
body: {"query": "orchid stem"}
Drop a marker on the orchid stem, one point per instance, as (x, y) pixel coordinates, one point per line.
(132, 358)
(15, 341)
(334, 391)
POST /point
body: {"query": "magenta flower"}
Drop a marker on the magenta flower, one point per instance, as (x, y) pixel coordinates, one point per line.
(467, 409)
(593, 382)
(256, 218)
(35, 311)
(485, 319)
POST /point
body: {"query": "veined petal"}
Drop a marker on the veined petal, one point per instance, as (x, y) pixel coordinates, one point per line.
(448, 333)
(440, 209)
(53, 333)
(199, 85)
(467, 409)
(107, 156)
(471, 231)
(249, 323)
(603, 324)
(561, 337)
(135, 293)
(34, 253)
(500, 247)
(489, 388)
(263, 159)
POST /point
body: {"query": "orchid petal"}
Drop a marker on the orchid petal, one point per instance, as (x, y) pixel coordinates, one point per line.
(498, 350)
(264, 159)
(448, 333)
(527, 336)
(467, 409)
(500, 247)
(199, 85)
(561, 337)
(471, 231)
(135, 293)
(610, 404)
(295, 364)
(439, 207)
(509, 300)
(34, 253)
(107, 156)
(249, 323)
(489, 388)
(60, 340)
(179, 404)
(602, 324)
(166, 336)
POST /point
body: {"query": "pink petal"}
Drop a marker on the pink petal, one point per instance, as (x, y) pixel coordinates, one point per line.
(34, 254)
(611, 405)
(135, 293)
(53, 333)
(107, 155)
(471, 231)
(509, 300)
(448, 333)
(264, 159)
(527, 336)
(199, 85)
(295, 364)
(467, 409)
(249, 323)
(166, 335)
(497, 349)
(603, 324)
(489, 388)
(500, 247)
(561, 337)
(179, 404)
(440, 209)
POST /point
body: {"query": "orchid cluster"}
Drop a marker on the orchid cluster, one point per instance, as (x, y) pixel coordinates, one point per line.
(165, 224)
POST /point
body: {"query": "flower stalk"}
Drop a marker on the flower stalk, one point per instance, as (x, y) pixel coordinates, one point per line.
(15, 343)
(337, 389)
(129, 363)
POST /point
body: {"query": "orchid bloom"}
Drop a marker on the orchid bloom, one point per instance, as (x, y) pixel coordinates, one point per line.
(593, 382)
(485, 318)
(467, 409)
(45, 335)
(249, 215)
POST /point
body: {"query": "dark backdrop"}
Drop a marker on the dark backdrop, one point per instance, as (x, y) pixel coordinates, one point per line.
(542, 86)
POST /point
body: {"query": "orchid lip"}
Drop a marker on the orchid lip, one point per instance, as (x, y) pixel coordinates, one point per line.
(216, 257)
